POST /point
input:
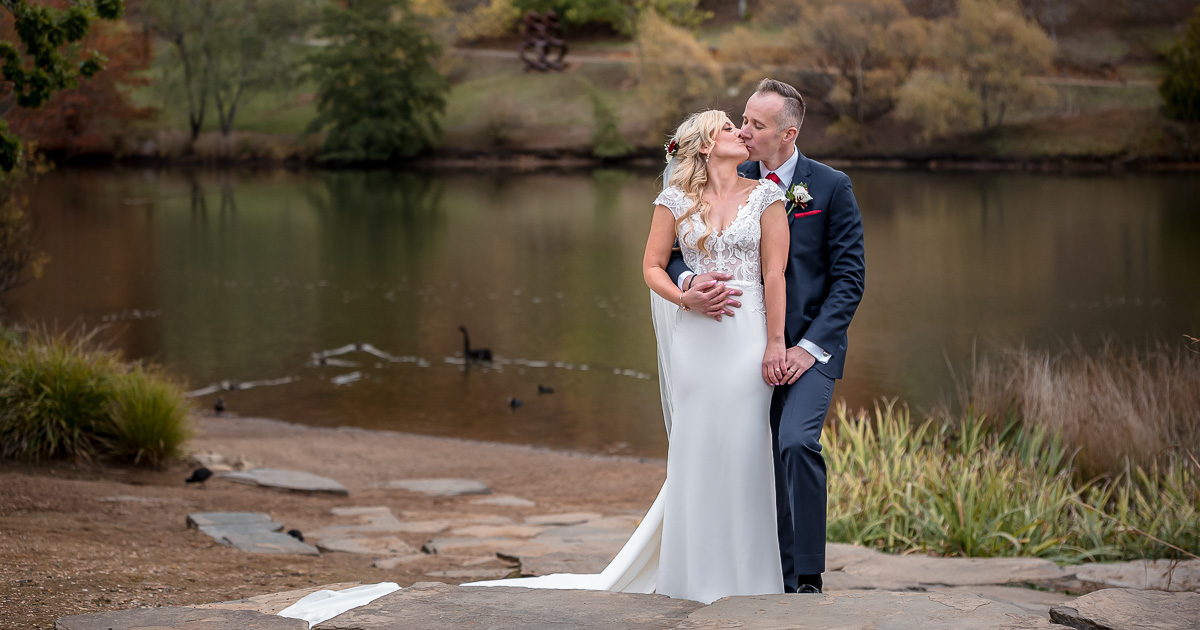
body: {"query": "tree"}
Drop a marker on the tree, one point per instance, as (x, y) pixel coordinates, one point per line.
(52, 59)
(677, 75)
(984, 56)
(1180, 90)
(86, 118)
(868, 47)
(228, 49)
(378, 89)
(607, 141)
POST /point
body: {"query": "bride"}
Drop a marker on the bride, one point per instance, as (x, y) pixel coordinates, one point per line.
(711, 532)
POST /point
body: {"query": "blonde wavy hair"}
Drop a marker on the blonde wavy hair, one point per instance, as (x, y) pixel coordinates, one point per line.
(689, 173)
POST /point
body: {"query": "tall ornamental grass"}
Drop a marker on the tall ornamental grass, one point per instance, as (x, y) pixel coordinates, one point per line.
(1109, 406)
(60, 397)
(971, 489)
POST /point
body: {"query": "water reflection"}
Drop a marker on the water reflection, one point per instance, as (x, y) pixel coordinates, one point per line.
(243, 276)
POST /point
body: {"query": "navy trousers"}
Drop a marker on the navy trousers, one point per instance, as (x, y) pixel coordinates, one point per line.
(797, 416)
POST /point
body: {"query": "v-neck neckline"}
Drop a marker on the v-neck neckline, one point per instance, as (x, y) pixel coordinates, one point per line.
(737, 215)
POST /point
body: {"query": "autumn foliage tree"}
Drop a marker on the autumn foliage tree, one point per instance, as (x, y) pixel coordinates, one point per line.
(984, 58)
(49, 58)
(677, 74)
(86, 118)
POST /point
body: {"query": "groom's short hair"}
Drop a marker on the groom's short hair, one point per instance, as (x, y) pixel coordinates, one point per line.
(792, 113)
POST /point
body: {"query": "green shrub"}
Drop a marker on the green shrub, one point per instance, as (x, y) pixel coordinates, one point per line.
(63, 398)
(147, 419)
(1180, 89)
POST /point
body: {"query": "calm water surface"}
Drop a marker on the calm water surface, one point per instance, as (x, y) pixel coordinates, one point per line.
(243, 276)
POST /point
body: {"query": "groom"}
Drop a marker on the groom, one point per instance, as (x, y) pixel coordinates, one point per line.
(825, 276)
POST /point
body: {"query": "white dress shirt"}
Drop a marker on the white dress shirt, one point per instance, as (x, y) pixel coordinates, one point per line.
(785, 172)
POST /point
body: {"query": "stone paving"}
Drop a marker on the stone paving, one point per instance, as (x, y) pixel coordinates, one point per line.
(864, 588)
(290, 480)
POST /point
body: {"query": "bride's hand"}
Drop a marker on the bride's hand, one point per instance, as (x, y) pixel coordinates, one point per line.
(774, 365)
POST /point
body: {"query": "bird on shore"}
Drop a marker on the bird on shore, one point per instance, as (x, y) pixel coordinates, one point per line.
(219, 405)
(473, 354)
(295, 533)
(200, 475)
(513, 403)
(545, 389)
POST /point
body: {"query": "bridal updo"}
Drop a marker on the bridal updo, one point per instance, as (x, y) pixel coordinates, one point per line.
(690, 170)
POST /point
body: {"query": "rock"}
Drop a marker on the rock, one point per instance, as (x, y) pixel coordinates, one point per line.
(290, 480)
(433, 605)
(1121, 609)
(587, 547)
(1158, 575)
(574, 518)
(504, 501)
(875, 610)
(179, 619)
(369, 546)
(252, 532)
(510, 531)
(1032, 601)
(440, 487)
(890, 572)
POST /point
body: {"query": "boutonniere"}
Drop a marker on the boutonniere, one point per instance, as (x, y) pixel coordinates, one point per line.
(798, 195)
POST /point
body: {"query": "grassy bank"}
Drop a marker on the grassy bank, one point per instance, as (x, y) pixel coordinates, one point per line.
(63, 398)
(965, 489)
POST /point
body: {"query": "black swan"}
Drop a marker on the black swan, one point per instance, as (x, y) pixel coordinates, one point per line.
(515, 402)
(200, 475)
(473, 354)
(545, 389)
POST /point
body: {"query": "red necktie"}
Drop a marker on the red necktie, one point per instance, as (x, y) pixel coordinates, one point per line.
(775, 178)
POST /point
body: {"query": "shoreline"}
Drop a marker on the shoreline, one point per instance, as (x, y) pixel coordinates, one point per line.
(544, 160)
(82, 537)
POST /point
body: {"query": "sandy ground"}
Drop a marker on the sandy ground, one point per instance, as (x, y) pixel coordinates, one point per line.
(78, 538)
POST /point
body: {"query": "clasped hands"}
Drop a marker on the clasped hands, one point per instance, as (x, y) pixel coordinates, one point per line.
(708, 295)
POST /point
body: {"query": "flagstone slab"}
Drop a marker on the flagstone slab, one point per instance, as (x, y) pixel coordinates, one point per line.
(290, 480)
(180, 618)
(272, 603)
(252, 532)
(562, 562)
(838, 555)
(871, 610)
(505, 500)
(909, 572)
(1032, 601)
(367, 545)
(510, 531)
(434, 605)
(440, 487)
(1124, 609)
(1159, 575)
(573, 518)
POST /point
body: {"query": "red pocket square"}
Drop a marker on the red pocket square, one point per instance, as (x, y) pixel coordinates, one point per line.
(805, 214)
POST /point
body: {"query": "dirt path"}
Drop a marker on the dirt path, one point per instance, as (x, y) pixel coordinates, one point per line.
(84, 538)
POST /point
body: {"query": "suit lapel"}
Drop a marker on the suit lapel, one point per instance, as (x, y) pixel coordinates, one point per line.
(749, 170)
(801, 175)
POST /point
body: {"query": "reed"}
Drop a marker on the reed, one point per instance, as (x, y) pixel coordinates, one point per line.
(978, 488)
(1110, 406)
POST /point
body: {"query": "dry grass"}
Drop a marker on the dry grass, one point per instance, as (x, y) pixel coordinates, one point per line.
(1109, 405)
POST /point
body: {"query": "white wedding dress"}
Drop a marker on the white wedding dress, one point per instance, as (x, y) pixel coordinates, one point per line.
(711, 532)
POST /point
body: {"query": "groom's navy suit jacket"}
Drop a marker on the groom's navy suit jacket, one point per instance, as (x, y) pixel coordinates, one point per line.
(826, 267)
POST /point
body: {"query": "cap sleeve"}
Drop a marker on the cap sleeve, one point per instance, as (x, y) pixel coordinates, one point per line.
(769, 193)
(674, 199)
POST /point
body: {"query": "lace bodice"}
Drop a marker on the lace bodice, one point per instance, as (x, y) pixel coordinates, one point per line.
(735, 250)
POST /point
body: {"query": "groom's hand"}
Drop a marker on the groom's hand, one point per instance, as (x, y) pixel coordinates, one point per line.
(798, 361)
(708, 295)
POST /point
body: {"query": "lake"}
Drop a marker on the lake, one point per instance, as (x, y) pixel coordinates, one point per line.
(241, 276)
